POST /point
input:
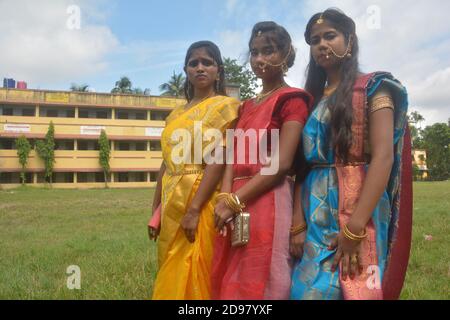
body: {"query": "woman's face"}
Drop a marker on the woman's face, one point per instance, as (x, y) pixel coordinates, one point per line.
(323, 37)
(262, 51)
(201, 69)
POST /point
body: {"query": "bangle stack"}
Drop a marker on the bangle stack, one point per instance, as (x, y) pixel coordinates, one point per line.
(298, 229)
(232, 201)
(351, 236)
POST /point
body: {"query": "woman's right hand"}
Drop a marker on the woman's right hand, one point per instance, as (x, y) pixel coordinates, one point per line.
(153, 233)
(296, 245)
(222, 216)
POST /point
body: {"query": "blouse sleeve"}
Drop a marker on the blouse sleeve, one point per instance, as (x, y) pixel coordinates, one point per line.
(294, 109)
(381, 99)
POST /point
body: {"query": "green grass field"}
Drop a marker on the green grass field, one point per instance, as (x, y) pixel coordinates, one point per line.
(42, 232)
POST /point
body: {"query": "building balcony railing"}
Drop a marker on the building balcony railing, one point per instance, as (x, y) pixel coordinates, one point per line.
(49, 97)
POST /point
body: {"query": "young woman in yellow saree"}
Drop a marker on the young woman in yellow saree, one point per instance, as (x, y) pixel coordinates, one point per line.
(187, 186)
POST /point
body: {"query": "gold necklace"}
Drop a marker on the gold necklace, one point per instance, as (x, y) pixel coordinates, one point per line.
(329, 90)
(261, 96)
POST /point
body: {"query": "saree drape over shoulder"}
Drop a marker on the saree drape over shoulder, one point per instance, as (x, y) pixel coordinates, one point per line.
(262, 268)
(331, 191)
(184, 267)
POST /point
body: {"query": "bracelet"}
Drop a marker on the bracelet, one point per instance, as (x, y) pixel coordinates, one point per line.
(298, 229)
(232, 201)
(351, 236)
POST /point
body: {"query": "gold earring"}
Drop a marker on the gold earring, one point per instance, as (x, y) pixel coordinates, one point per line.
(284, 68)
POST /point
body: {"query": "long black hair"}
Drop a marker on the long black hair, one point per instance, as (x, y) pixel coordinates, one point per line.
(278, 35)
(214, 52)
(341, 102)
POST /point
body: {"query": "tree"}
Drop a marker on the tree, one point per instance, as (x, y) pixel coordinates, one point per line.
(174, 87)
(414, 120)
(124, 85)
(416, 172)
(23, 151)
(139, 91)
(436, 140)
(105, 154)
(79, 87)
(242, 76)
(46, 151)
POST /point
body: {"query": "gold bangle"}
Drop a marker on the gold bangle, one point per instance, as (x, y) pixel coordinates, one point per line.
(351, 236)
(231, 200)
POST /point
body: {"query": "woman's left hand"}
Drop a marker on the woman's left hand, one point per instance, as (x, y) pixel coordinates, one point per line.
(347, 253)
(189, 223)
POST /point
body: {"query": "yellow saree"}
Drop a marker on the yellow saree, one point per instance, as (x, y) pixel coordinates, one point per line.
(184, 267)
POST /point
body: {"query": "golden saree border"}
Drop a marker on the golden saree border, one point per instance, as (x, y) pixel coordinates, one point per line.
(350, 180)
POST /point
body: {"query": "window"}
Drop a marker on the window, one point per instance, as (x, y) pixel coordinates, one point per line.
(141, 115)
(63, 177)
(123, 115)
(124, 146)
(52, 113)
(28, 112)
(153, 176)
(99, 177)
(7, 111)
(155, 145)
(64, 145)
(70, 113)
(7, 144)
(123, 176)
(159, 115)
(102, 115)
(141, 146)
(83, 113)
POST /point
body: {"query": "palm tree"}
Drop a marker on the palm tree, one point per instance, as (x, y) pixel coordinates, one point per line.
(79, 87)
(123, 86)
(174, 87)
(139, 91)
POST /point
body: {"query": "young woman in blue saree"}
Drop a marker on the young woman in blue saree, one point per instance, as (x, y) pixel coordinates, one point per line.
(355, 201)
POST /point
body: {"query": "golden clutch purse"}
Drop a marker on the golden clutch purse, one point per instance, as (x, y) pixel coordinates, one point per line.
(240, 235)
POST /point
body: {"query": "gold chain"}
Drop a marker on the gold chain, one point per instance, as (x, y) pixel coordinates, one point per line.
(261, 96)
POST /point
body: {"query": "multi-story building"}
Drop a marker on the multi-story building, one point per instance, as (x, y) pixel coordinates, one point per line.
(133, 125)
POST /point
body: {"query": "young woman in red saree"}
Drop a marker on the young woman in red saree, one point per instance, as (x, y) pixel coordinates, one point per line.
(262, 268)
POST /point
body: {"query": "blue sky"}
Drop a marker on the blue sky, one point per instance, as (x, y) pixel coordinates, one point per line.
(147, 41)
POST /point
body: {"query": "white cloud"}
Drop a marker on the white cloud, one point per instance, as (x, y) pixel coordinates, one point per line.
(38, 47)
